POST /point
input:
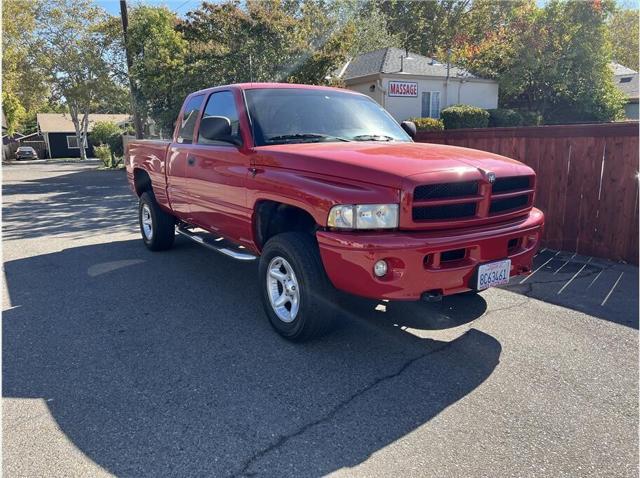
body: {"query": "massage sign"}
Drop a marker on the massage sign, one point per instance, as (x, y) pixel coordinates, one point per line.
(403, 88)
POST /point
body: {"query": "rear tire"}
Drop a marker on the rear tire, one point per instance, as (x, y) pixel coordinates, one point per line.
(296, 293)
(156, 226)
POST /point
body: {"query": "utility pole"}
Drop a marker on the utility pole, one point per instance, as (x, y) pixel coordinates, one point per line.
(446, 81)
(132, 87)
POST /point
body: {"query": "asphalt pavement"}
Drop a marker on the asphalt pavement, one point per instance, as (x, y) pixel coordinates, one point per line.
(120, 361)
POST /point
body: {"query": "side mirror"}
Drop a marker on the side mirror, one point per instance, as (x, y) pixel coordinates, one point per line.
(215, 128)
(410, 128)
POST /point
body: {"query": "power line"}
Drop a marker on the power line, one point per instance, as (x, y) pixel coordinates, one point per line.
(182, 4)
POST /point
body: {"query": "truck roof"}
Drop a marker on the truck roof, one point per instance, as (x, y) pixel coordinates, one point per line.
(254, 86)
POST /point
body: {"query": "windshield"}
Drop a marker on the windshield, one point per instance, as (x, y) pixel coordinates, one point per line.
(296, 115)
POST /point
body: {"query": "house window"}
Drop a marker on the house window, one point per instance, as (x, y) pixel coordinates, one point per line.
(72, 142)
(625, 80)
(431, 104)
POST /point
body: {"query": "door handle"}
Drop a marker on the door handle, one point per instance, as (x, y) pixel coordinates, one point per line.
(191, 160)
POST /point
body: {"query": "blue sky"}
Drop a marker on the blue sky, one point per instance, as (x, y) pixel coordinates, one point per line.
(183, 6)
(179, 6)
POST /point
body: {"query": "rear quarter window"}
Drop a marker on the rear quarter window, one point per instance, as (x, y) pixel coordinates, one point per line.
(189, 118)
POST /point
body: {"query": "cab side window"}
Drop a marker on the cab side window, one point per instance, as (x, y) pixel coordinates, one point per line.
(189, 118)
(221, 105)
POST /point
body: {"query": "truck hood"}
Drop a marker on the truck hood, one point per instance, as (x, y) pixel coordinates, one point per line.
(384, 163)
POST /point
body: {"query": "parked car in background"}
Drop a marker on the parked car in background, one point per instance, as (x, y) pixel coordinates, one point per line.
(329, 192)
(26, 152)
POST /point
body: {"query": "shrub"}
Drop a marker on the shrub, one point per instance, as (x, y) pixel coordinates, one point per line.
(103, 130)
(531, 118)
(106, 133)
(503, 117)
(116, 145)
(103, 153)
(464, 116)
(428, 124)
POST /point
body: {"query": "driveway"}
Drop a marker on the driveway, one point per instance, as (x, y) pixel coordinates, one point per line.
(119, 361)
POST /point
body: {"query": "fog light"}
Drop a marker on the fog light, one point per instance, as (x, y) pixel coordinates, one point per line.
(380, 268)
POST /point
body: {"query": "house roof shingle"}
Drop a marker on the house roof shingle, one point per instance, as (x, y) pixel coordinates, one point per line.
(387, 60)
(626, 80)
(61, 122)
(619, 69)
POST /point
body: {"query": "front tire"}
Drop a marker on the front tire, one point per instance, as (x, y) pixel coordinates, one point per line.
(156, 226)
(296, 293)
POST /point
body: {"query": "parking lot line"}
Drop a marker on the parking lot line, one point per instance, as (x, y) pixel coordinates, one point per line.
(612, 289)
(574, 276)
(531, 275)
(595, 279)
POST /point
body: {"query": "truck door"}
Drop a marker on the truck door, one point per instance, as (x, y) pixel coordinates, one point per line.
(217, 173)
(176, 160)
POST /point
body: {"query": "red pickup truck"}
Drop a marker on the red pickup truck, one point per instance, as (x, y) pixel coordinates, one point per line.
(328, 191)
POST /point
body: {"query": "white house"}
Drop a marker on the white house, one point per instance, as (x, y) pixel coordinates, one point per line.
(409, 85)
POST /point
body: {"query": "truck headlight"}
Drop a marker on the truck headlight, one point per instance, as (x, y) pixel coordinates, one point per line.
(364, 216)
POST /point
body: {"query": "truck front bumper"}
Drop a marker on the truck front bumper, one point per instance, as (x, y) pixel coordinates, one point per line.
(418, 262)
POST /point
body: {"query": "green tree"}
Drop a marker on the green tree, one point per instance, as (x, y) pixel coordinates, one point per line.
(13, 110)
(370, 26)
(82, 63)
(426, 27)
(274, 40)
(159, 54)
(551, 60)
(25, 86)
(623, 35)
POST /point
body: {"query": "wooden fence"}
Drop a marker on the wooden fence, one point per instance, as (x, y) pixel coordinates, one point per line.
(587, 180)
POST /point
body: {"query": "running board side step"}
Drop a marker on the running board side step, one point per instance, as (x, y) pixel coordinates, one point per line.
(225, 248)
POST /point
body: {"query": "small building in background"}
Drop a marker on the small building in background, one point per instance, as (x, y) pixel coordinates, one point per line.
(409, 85)
(626, 80)
(59, 134)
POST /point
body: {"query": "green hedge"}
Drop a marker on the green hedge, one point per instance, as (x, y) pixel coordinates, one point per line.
(531, 118)
(464, 116)
(428, 124)
(503, 117)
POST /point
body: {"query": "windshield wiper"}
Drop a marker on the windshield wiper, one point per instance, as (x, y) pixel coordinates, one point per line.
(373, 137)
(306, 137)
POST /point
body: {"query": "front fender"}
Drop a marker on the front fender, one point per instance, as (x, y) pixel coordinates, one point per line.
(314, 193)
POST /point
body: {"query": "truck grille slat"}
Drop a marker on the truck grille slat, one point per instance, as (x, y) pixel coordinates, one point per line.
(449, 211)
(507, 204)
(445, 190)
(513, 183)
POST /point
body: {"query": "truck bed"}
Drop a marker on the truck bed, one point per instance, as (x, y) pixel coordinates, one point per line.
(149, 155)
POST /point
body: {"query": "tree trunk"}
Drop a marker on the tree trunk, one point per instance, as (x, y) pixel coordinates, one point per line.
(79, 126)
(84, 133)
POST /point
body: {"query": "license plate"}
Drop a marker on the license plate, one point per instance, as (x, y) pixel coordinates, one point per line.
(494, 273)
